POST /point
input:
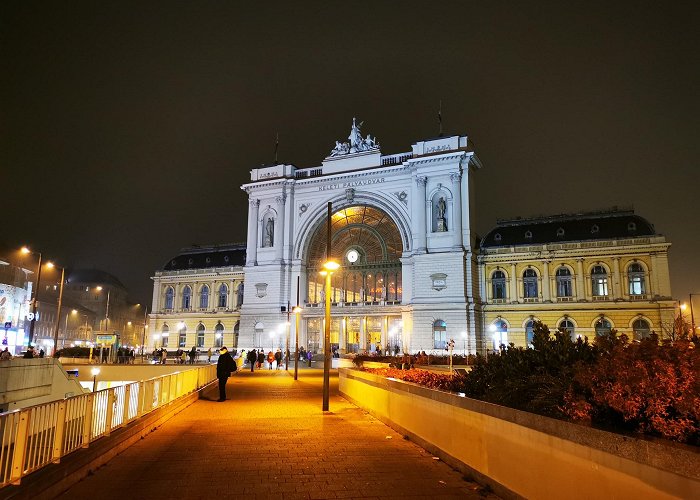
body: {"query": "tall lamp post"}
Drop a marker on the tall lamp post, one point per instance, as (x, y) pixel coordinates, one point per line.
(26, 251)
(145, 327)
(297, 313)
(328, 268)
(692, 316)
(58, 311)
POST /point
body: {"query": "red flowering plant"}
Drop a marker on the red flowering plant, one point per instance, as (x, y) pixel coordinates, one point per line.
(441, 381)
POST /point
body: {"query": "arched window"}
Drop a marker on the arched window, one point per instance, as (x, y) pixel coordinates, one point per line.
(641, 329)
(602, 327)
(564, 288)
(530, 284)
(182, 335)
(204, 298)
(599, 281)
(200, 335)
(529, 331)
(635, 278)
(164, 333)
(498, 284)
(440, 334)
(169, 297)
(499, 333)
(568, 326)
(219, 335)
(236, 332)
(223, 295)
(239, 295)
(186, 298)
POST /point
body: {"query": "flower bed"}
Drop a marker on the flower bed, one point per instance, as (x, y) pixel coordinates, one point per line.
(443, 382)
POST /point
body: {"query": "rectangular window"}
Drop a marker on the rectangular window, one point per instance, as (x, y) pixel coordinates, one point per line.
(182, 339)
(600, 287)
(440, 339)
(165, 341)
(636, 285)
(200, 339)
(564, 288)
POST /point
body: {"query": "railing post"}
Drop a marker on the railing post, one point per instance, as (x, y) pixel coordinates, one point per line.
(59, 432)
(87, 423)
(20, 447)
(142, 399)
(127, 403)
(110, 411)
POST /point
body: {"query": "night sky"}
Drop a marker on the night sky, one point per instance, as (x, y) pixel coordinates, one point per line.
(126, 129)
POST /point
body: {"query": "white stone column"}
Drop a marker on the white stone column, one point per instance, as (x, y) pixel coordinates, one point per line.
(546, 285)
(456, 178)
(580, 285)
(617, 293)
(252, 248)
(279, 228)
(420, 206)
(513, 285)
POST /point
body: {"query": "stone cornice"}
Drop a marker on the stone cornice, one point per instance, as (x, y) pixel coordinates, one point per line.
(573, 253)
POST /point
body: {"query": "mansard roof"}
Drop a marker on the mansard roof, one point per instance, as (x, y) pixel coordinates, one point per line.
(202, 257)
(605, 225)
(93, 276)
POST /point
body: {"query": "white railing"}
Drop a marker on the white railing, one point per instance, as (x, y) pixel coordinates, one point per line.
(39, 435)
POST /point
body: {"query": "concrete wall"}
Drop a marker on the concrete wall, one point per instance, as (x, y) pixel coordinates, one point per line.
(28, 382)
(520, 454)
(127, 372)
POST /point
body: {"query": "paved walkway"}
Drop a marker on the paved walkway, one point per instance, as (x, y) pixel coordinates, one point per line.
(271, 440)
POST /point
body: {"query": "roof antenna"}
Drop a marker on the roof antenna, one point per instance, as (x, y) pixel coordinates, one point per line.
(440, 118)
(277, 145)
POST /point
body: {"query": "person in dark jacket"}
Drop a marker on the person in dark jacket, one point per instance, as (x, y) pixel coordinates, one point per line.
(261, 359)
(224, 367)
(252, 359)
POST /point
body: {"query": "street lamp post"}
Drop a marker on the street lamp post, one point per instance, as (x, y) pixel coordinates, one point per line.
(297, 313)
(143, 336)
(329, 266)
(26, 250)
(58, 312)
(692, 316)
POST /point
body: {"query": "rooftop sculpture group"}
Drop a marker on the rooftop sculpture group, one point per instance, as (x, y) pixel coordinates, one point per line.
(357, 143)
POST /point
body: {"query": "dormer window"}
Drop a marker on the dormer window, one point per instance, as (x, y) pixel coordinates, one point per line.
(528, 235)
(631, 227)
(560, 232)
(190, 261)
(595, 229)
(497, 237)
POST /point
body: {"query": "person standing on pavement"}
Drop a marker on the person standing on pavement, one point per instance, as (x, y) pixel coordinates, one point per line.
(261, 358)
(278, 358)
(224, 367)
(270, 359)
(309, 355)
(209, 355)
(252, 359)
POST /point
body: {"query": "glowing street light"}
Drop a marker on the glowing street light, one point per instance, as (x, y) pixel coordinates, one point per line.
(27, 251)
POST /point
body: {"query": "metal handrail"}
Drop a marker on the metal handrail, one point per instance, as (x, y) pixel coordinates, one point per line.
(34, 437)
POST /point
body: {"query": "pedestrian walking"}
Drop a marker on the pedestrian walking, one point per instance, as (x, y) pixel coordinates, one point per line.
(224, 367)
(193, 355)
(163, 355)
(261, 358)
(209, 355)
(270, 359)
(308, 357)
(183, 357)
(252, 359)
(278, 358)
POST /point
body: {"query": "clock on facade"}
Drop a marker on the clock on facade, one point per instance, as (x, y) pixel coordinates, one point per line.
(352, 256)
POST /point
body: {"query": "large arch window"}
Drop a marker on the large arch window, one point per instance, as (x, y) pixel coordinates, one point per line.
(566, 325)
(602, 327)
(635, 279)
(599, 281)
(498, 285)
(219, 335)
(564, 288)
(529, 331)
(368, 244)
(164, 334)
(641, 329)
(439, 334)
(204, 297)
(169, 297)
(530, 284)
(499, 333)
(223, 295)
(200, 335)
(186, 298)
(182, 335)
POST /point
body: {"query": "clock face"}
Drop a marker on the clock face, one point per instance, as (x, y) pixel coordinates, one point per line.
(352, 256)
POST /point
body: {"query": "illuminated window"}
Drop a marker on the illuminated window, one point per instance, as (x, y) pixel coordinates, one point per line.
(218, 335)
(182, 336)
(530, 284)
(529, 331)
(641, 329)
(200, 335)
(440, 334)
(599, 281)
(635, 277)
(564, 288)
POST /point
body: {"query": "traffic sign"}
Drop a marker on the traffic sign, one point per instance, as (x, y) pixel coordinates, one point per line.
(8, 325)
